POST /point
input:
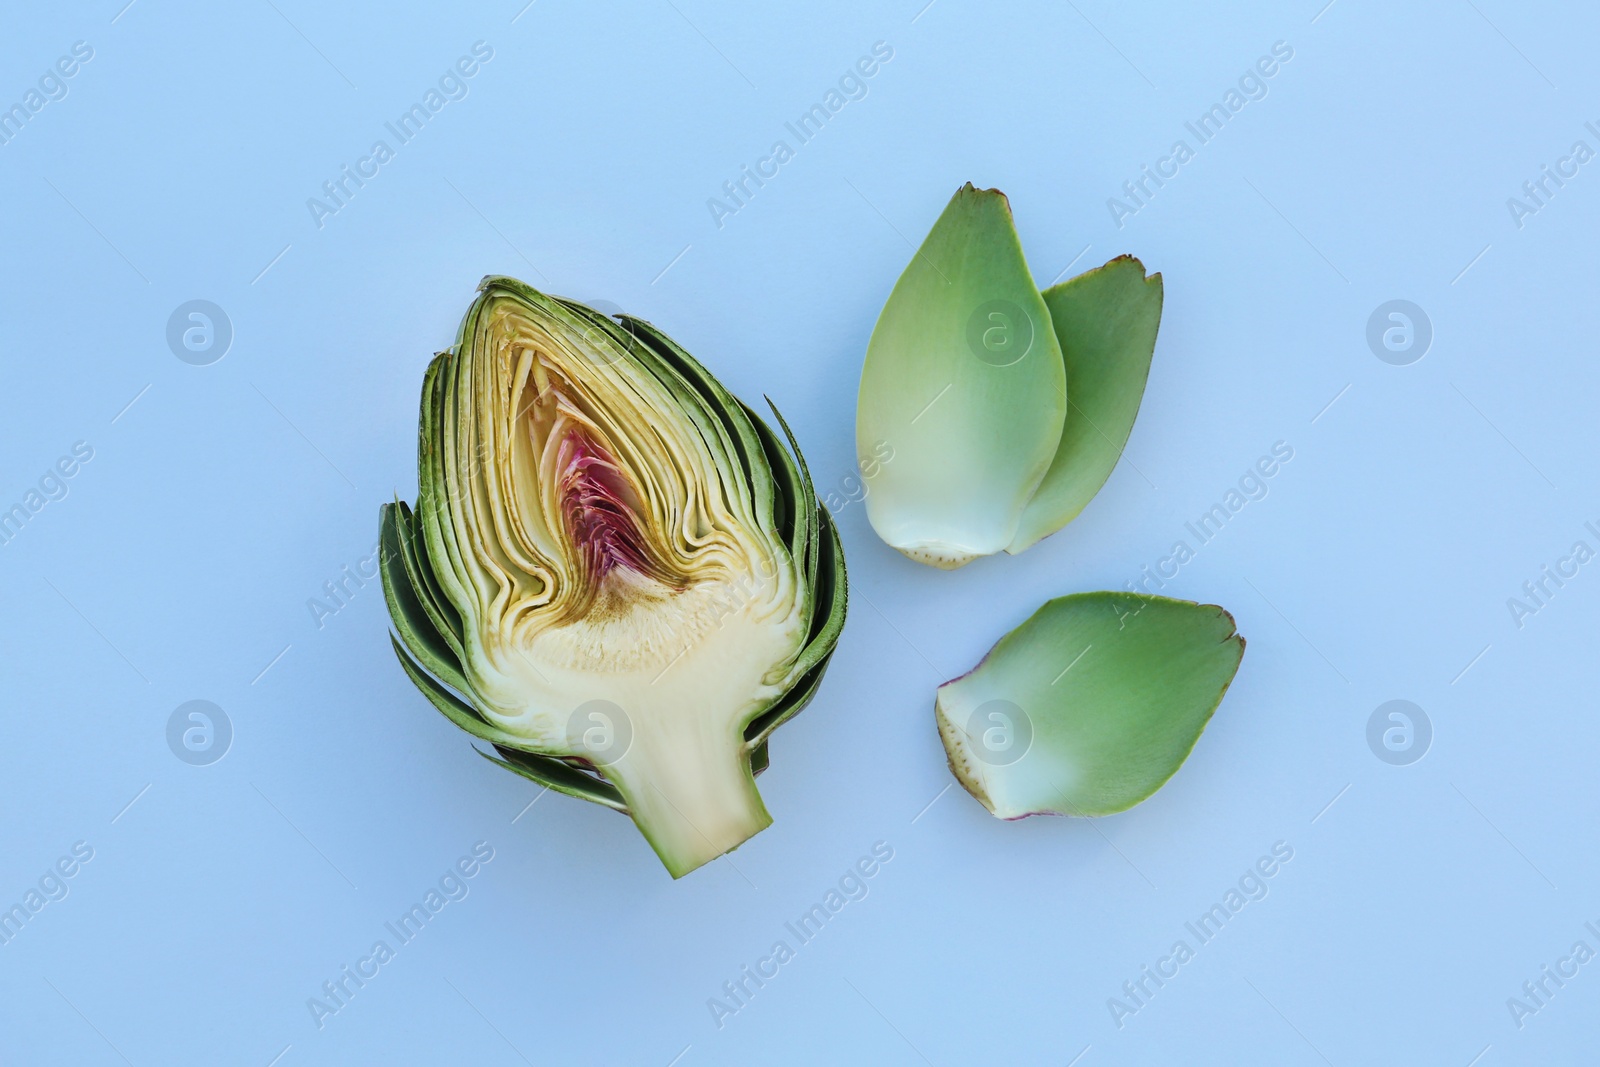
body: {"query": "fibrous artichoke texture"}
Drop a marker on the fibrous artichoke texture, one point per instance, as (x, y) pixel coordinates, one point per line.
(616, 574)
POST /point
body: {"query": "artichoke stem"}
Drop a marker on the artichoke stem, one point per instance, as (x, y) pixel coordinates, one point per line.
(693, 798)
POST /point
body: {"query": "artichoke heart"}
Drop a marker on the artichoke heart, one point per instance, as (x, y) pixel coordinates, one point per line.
(616, 574)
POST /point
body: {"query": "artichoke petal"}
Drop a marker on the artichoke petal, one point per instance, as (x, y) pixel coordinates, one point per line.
(420, 623)
(1090, 705)
(1106, 322)
(964, 378)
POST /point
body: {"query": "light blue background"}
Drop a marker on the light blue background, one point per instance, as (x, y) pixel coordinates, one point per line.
(1378, 167)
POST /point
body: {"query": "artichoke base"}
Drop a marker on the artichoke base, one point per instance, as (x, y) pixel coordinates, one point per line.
(692, 806)
(944, 558)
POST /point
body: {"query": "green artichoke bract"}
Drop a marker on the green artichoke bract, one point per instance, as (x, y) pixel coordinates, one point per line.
(1105, 321)
(1007, 408)
(1090, 705)
(616, 574)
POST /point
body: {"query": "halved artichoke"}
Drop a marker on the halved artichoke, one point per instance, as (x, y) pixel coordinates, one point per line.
(616, 574)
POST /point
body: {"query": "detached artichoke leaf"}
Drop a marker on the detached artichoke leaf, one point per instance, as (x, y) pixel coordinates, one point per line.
(964, 379)
(1090, 705)
(1106, 322)
(616, 575)
(995, 445)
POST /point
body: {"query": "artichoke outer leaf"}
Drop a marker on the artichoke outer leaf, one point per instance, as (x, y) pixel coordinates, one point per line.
(1105, 321)
(964, 380)
(826, 625)
(415, 620)
(553, 774)
(413, 558)
(1090, 705)
(760, 759)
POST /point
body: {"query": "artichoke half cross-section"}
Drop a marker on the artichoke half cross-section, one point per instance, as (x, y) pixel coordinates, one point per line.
(616, 574)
